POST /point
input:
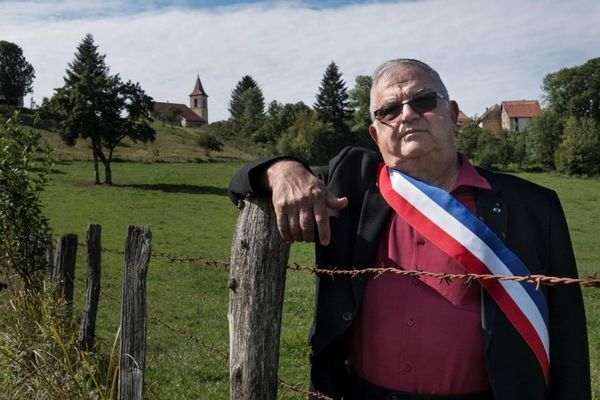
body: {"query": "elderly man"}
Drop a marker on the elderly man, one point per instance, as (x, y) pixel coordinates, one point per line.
(420, 205)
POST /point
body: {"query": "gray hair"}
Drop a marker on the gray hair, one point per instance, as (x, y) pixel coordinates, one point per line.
(386, 69)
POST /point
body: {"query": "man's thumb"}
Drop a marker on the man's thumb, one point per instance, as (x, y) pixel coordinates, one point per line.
(336, 202)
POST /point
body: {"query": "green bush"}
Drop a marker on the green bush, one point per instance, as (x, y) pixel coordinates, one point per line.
(579, 152)
(209, 142)
(24, 170)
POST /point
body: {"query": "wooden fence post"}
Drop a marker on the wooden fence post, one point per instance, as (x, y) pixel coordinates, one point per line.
(49, 257)
(64, 268)
(138, 249)
(85, 340)
(256, 281)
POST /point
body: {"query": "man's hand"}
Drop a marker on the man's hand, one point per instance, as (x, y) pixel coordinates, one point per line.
(300, 201)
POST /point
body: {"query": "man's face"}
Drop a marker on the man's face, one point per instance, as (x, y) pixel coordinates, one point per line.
(413, 137)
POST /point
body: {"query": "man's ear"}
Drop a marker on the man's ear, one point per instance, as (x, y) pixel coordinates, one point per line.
(454, 111)
(373, 132)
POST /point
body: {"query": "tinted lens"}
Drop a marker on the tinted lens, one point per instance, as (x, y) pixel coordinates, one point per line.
(420, 104)
(389, 113)
(424, 103)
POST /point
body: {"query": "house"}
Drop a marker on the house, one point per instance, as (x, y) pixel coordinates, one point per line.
(491, 119)
(4, 101)
(193, 116)
(462, 118)
(515, 115)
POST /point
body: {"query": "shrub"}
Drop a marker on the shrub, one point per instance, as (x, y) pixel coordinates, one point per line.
(579, 152)
(24, 170)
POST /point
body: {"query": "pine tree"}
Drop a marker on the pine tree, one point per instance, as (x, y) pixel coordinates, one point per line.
(237, 104)
(96, 105)
(332, 100)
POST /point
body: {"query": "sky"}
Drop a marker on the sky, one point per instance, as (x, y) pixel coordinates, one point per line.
(485, 51)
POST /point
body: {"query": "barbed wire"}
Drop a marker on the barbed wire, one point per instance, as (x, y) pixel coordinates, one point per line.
(447, 278)
(188, 334)
(304, 392)
(537, 279)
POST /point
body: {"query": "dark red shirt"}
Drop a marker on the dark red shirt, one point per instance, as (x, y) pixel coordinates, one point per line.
(421, 335)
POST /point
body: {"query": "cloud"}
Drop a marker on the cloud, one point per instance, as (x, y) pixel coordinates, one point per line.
(486, 51)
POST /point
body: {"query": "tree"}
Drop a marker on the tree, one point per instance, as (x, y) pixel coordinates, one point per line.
(253, 111)
(579, 152)
(171, 115)
(237, 104)
(25, 166)
(360, 98)
(16, 74)
(332, 103)
(575, 91)
(209, 142)
(467, 138)
(96, 105)
(308, 138)
(544, 135)
(277, 120)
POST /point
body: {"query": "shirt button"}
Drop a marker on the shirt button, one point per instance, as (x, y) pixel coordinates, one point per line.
(347, 316)
(420, 242)
(410, 322)
(406, 367)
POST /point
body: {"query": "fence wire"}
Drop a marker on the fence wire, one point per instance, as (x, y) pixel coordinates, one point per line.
(537, 279)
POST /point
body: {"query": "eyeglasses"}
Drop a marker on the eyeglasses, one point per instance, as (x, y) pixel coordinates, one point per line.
(419, 104)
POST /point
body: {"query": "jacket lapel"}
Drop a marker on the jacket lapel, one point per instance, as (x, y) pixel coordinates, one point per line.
(492, 210)
(374, 217)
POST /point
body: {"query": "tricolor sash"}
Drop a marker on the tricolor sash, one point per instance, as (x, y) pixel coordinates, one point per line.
(455, 230)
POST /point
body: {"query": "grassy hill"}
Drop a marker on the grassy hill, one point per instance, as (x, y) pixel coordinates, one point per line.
(172, 144)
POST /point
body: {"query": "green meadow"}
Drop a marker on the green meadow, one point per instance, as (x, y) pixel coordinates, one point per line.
(181, 193)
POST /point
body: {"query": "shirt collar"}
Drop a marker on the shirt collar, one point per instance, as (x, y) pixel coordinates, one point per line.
(468, 176)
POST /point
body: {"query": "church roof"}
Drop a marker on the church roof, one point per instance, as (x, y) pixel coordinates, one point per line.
(198, 89)
(184, 110)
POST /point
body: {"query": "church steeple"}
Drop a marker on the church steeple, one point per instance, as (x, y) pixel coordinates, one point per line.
(199, 100)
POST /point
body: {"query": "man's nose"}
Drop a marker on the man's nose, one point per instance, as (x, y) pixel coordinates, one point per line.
(408, 114)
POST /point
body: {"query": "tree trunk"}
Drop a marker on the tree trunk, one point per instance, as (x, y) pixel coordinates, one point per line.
(96, 172)
(107, 173)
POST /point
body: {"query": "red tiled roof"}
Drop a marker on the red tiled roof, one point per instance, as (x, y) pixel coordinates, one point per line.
(198, 89)
(186, 112)
(522, 108)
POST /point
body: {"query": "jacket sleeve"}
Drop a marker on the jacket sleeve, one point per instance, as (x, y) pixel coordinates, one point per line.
(569, 358)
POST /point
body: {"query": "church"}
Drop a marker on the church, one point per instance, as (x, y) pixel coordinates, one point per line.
(193, 116)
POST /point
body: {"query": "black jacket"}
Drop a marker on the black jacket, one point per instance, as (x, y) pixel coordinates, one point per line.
(530, 222)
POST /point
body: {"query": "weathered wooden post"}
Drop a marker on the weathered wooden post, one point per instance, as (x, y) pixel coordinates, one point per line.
(49, 257)
(85, 340)
(64, 268)
(138, 248)
(256, 281)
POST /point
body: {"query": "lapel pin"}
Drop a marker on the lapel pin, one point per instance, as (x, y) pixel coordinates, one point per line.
(497, 208)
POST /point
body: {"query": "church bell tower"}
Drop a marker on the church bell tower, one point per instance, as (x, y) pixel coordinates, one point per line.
(199, 100)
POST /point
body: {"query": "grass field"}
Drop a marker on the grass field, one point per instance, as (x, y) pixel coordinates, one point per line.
(185, 203)
(189, 213)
